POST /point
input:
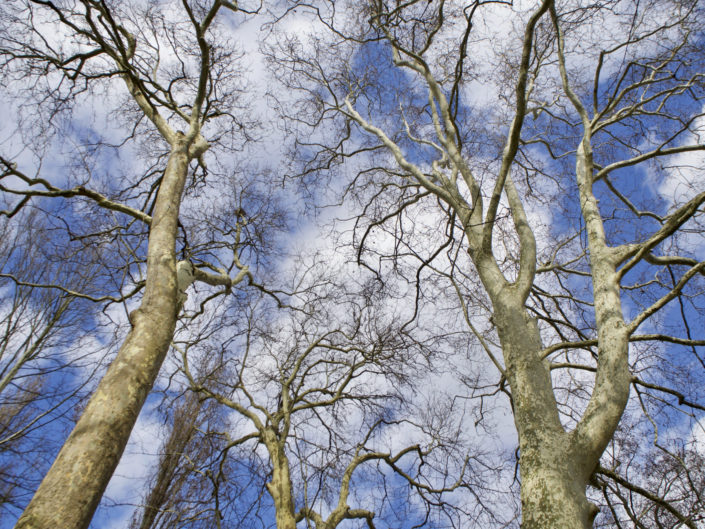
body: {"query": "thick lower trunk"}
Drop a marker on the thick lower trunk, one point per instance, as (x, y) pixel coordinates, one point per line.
(74, 485)
(553, 497)
(553, 480)
(556, 465)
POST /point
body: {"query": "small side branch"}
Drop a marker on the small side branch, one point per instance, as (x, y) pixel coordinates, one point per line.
(646, 494)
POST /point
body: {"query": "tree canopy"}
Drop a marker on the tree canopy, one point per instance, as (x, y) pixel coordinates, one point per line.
(352, 264)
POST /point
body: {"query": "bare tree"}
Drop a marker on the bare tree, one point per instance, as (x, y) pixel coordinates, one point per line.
(504, 155)
(181, 489)
(173, 82)
(321, 399)
(532, 175)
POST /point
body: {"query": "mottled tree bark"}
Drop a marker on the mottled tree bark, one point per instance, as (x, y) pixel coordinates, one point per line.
(552, 481)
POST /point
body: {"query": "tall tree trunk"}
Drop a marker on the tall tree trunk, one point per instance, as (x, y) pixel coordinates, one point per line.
(74, 485)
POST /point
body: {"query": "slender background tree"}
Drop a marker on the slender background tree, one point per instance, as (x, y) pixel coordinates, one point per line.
(44, 371)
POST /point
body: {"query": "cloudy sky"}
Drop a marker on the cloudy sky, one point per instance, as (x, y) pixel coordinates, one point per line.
(273, 161)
